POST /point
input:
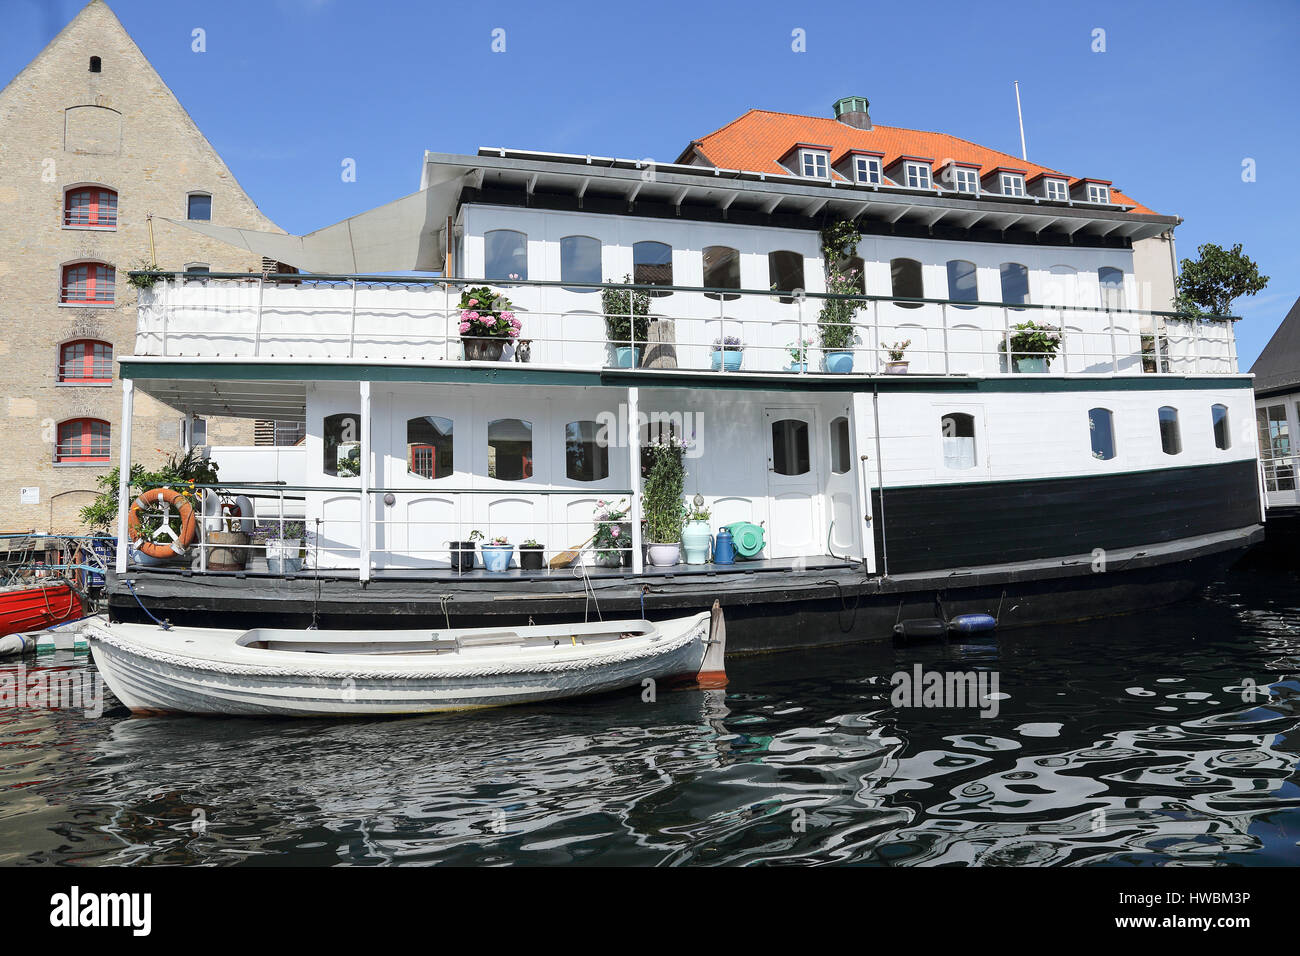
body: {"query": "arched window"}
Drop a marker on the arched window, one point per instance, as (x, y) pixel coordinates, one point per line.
(429, 447)
(1222, 436)
(784, 272)
(580, 261)
(652, 264)
(83, 440)
(790, 447)
(839, 445)
(1062, 289)
(1171, 440)
(510, 449)
(586, 455)
(199, 207)
(1101, 428)
(962, 286)
(958, 431)
(90, 207)
(721, 270)
(905, 279)
(505, 254)
(96, 64)
(88, 283)
(342, 445)
(1112, 287)
(86, 362)
(1015, 283)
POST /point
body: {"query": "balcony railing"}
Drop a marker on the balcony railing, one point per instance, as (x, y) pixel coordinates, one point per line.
(563, 326)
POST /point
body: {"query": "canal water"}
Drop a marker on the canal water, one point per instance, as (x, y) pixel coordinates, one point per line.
(1170, 737)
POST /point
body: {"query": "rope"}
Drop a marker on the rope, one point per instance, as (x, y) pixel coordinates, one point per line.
(162, 624)
(442, 602)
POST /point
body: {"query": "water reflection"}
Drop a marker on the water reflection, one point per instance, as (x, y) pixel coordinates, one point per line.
(1163, 739)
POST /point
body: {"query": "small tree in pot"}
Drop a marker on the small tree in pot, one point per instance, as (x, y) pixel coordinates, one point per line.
(665, 479)
(627, 322)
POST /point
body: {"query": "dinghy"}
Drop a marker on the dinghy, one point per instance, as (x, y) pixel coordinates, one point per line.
(269, 671)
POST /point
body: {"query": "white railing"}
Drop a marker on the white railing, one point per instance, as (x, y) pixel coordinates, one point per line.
(563, 326)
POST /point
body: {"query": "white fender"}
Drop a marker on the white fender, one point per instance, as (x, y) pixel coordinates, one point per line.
(247, 516)
(211, 511)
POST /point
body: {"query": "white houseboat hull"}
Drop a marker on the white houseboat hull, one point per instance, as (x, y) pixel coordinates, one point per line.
(271, 672)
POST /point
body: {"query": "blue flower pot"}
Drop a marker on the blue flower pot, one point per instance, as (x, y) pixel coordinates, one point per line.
(797, 367)
(627, 357)
(838, 363)
(496, 557)
(1031, 365)
(728, 357)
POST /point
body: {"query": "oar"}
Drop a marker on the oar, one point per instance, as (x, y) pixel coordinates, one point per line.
(566, 558)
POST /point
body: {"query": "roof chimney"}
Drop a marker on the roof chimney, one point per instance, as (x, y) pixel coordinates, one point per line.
(852, 111)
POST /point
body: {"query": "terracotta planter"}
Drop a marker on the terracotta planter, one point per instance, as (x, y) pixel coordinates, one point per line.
(227, 550)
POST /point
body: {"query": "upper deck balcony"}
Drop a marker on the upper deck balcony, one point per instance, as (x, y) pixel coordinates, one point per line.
(564, 327)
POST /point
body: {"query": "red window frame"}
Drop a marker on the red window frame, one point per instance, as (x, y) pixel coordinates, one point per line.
(86, 361)
(90, 206)
(418, 457)
(88, 283)
(83, 440)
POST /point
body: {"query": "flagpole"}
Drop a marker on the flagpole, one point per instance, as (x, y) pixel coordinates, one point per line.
(1023, 153)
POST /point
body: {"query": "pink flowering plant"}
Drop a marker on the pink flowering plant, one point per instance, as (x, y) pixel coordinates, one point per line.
(612, 529)
(485, 314)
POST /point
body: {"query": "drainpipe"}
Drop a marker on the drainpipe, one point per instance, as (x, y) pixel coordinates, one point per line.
(880, 481)
(124, 473)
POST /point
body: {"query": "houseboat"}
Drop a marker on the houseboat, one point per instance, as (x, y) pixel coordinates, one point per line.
(912, 377)
(1277, 416)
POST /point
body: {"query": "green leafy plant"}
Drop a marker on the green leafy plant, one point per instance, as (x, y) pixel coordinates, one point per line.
(148, 277)
(1209, 284)
(663, 489)
(531, 543)
(698, 513)
(610, 538)
(180, 472)
(896, 350)
(627, 314)
(475, 535)
(839, 241)
(1030, 339)
(799, 351)
(835, 321)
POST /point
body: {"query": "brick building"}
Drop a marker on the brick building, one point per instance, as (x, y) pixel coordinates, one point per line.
(92, 142)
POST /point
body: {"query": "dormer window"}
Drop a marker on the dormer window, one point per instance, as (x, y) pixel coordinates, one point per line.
(965, 180)
(1056, 190)
(866, 170)
(916, 175)
(815, 163)
(1098, 193)
(1011, 184)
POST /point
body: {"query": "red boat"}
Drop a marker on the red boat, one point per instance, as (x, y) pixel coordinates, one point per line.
(36, 605)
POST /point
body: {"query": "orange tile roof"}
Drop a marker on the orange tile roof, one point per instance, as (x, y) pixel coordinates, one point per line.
(755, 141)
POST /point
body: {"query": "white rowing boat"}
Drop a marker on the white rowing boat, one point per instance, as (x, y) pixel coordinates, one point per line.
(269, 671)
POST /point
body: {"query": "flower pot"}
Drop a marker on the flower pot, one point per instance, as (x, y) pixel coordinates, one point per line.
(665, 555)
(797, 367)
(282, 555)
(1032, 364)
(728, 358)
(482, 349)
(627, 357)
(530, 557)
(613, 560)
(695, 542)
(462, 555)
(496, 557)
(838, 363)
(896, 368)
(227, 550)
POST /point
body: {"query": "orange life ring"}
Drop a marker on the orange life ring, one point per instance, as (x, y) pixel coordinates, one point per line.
(181, 542)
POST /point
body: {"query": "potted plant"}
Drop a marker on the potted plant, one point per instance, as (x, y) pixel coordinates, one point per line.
(627, 322)
(228, 549)
(896, 365)
(696, 535)
(799, 355)
(662, 498)
(497, 553)
(462, 552)
(1032, 346)
(486, 324)
(530, 555)
(728, 353)
(613, 540)
(284, 548)
(835, 321)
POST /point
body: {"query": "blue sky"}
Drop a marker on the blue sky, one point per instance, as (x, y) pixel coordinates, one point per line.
(1183, 93)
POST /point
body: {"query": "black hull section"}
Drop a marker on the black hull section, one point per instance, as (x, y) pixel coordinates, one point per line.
(779, 611)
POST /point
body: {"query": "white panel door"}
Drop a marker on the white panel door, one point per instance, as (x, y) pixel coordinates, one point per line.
(795, 525)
